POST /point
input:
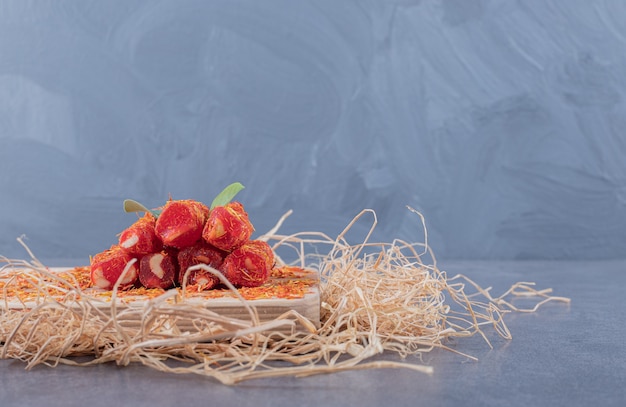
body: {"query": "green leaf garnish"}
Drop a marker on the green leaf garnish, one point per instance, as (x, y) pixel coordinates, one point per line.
(227, 194)
(134, 206)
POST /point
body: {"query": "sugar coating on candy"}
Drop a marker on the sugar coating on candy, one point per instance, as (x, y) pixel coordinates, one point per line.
(140, 238)
(181, 222)
(249, 265)
(200, 253)
(107, 267)
(227, 227)
(158, 270)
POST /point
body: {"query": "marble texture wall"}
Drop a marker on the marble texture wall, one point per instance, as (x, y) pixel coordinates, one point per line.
(501, 121)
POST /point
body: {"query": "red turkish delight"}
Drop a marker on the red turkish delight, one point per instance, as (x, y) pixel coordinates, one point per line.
(249, 265)
(107, 267)
(200, 253)
(180, 223)
(227, 227)
(158, 270)
(140, 238)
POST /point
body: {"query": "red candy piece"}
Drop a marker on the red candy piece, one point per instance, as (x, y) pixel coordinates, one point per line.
(249, 265)
(200, 253)
(140, 238)
(180, 223)
(227, 227)
(108, 266)
(157, 270)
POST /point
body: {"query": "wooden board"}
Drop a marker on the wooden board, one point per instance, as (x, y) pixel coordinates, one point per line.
(291, 288)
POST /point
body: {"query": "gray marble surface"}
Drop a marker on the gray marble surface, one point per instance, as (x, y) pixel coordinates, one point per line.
(561, 355)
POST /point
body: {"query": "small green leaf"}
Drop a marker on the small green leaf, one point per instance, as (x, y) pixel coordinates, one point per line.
(134, 206)
(227, 194)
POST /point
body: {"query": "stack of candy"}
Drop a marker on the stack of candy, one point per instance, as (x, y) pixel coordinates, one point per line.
(182, 234)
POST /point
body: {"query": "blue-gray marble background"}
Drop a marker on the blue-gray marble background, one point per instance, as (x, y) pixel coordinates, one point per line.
(503, 122)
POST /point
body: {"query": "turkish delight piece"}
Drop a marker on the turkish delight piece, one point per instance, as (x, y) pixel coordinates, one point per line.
(107, 267)
(200, 253)
(227, 227)
(181, 222)
(249, 265)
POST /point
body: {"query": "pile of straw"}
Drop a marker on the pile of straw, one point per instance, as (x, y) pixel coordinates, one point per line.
(376, 299)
